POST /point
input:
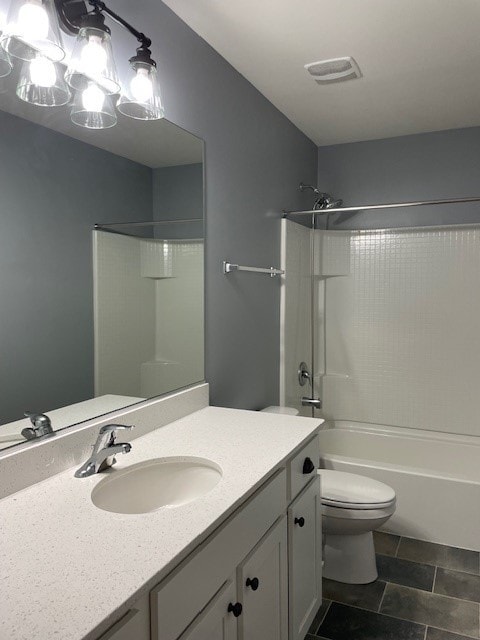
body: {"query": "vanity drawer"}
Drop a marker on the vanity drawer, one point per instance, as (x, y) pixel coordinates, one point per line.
(177, 600)
(300, 470)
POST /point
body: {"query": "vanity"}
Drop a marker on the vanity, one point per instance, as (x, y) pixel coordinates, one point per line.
(243, 560)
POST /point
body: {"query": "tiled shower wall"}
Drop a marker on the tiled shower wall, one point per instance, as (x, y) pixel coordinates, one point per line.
(148, 307)
(402, 327)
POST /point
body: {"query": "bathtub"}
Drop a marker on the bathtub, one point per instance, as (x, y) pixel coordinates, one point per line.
(436, 477)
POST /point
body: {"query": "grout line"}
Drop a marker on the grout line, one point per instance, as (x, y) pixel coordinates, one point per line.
(434, 580)
(398, 546)
(383, 596)
(324, 615)
(426, 630)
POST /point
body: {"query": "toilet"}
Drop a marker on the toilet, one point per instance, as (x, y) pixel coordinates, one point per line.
(353, 506)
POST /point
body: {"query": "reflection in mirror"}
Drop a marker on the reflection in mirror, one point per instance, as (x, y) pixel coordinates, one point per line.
(95, 316)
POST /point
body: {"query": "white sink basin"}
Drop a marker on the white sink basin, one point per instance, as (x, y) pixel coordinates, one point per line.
(153, 484)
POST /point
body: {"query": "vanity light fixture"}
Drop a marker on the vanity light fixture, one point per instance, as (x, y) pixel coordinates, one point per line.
(92, 56)
(32, 28)
(5, 63)
(93, 108)
(32, 34)
(92, 67)
(141, 99)
(41, 83)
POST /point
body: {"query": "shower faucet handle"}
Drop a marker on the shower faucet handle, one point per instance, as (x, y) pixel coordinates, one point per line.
(303, 374)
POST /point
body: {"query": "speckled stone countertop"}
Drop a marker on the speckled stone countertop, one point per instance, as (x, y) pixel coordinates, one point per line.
(69, 570)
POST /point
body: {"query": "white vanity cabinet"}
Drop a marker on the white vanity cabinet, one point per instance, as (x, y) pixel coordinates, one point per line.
(258, 576)
(216, 621)
(262, 587)
(305, 559)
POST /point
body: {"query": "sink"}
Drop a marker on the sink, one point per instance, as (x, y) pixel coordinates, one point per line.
(153, 484)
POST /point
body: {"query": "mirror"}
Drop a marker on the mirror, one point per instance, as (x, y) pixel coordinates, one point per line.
(101, 264)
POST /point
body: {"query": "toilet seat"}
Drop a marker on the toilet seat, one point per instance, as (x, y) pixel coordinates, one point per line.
(351, 491)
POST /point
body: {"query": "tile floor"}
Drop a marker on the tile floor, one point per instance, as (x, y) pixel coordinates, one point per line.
(424, 591)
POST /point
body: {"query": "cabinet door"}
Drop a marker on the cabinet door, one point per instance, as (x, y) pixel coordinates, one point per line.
(304, 559)
(216, 622)
(262, 585)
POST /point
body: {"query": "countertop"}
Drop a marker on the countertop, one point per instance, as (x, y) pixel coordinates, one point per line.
(69, 570)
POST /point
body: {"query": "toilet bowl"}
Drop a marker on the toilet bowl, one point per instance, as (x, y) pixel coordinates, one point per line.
(353, 507)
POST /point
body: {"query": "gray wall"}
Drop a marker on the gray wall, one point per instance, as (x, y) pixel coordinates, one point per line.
(444, 164)
(178, 195)
(52, 191)
(255, 159)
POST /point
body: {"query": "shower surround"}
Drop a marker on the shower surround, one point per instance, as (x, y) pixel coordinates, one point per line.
(396, 343)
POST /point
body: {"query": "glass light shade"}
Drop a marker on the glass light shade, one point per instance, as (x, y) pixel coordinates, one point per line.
(92, 60)
(32, 28)
(93, 108)
(5, 63)
(41, 83)
(142, 99)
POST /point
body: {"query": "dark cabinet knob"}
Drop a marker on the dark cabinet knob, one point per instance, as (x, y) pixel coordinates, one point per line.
(299, 521)
(236, 609)
(308, 466)
(254, 583)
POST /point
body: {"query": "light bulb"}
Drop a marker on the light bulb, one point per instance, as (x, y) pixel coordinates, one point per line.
(33, 21)
(93, 98)
(141, 85)
(42, 72)
(93, 57)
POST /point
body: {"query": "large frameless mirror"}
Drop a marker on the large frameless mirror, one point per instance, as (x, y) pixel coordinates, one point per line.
(101, 264)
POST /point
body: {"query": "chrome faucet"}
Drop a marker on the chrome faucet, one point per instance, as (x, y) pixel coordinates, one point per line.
(104, 450)
(41, 425)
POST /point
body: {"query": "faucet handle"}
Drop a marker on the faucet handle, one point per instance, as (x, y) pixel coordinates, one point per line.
(108, 434)
(36, 418)
(41, 425)
(112, 428)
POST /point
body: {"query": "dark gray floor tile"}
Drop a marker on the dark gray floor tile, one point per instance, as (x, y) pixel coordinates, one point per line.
(406, 572)
(349, 623)
(440, 555)
(365, 596)
(431, 609)
(320, 615)
(385, 543)
(438, 634)
(458, 585)
(462, 560)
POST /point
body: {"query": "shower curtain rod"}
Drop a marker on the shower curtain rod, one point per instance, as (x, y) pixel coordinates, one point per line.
(147, 223)
(394, 205)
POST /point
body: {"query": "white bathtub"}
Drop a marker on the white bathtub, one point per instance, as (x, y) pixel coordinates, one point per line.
(436, 477)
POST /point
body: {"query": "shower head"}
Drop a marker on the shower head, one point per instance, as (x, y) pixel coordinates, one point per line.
(333, 204)
(324, 200)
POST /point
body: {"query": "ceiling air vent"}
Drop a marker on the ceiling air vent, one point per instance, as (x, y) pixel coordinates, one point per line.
(334, 70)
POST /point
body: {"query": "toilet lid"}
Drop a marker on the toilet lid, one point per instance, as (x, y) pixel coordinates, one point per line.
(350, 490)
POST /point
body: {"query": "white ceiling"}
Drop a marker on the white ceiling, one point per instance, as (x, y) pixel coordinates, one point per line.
(420, 60)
